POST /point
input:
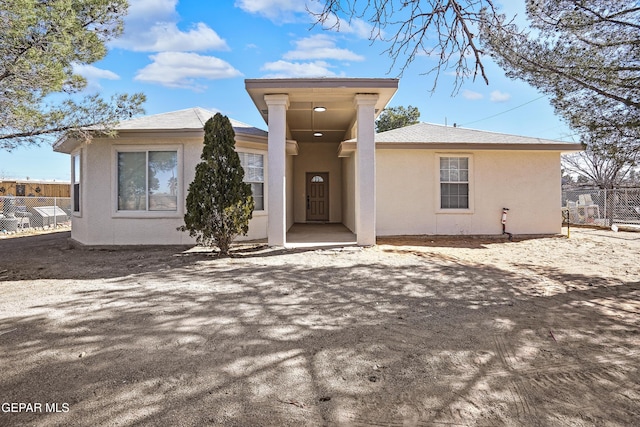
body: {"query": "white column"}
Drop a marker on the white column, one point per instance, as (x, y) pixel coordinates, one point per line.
(366, 170)
(276, 169)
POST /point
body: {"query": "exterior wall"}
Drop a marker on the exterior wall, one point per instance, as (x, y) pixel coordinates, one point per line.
(317, 157)
(99, 223)
(407, 182)
(405, 187)
(526, 182)
(290, 187)
(258, 222)
(79, 222)
(349, 192)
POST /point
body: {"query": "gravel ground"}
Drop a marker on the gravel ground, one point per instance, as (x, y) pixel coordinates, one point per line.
(412, 332)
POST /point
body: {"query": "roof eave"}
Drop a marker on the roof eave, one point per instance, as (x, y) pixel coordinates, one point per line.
(562, 147)
(66, 145)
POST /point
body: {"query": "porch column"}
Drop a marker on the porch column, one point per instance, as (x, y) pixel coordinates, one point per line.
(276, 169)
(365, 169)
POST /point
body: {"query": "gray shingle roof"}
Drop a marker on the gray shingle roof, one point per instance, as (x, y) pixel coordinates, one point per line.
(188, 119)
(432, 134)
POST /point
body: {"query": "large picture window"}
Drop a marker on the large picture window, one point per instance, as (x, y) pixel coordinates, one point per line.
(147, 181)
(253, 165)
(454, 182)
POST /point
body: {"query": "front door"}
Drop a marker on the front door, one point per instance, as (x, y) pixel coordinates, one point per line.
(317, 196)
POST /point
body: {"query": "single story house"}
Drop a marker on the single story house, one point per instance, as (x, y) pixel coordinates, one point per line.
(320, 161)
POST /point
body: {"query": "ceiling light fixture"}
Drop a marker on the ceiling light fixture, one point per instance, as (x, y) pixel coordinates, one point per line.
(319, 109)
(317, 134)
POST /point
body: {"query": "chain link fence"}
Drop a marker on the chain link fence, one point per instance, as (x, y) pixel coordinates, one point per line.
(580, 206)
(602, 207)
(21, 214)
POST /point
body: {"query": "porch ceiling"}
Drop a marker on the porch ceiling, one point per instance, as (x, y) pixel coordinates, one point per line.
(335, 94)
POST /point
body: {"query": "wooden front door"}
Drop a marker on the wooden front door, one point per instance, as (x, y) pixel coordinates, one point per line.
(317, 196)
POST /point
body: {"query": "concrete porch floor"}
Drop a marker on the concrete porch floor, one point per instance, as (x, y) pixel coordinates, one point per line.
(321, 235)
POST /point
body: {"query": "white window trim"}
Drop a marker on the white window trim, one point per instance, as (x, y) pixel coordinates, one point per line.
(115, 213)
(265, 192)
(77, 153)
(471, 208)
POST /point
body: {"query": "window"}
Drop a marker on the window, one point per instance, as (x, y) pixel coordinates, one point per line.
(454, 182)
(317, 178)
(21, 190)
(253, 165)
(147, 181)
(76, 182)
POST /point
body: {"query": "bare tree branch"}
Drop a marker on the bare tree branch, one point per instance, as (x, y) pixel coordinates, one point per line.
(445, 30)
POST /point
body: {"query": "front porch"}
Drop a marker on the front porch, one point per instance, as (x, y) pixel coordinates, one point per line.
(308, 119)
(320, 235)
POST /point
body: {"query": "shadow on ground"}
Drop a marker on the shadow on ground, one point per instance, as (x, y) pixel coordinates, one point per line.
(313, 338)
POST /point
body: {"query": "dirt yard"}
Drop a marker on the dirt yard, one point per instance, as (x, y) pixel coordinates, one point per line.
(413, 332)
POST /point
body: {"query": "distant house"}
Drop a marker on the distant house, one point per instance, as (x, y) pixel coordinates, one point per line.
(31, 188)
(320, 162)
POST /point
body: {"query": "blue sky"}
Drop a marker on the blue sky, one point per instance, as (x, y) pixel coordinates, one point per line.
(190, 53)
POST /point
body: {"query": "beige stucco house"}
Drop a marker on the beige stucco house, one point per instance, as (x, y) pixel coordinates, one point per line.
(319, 162)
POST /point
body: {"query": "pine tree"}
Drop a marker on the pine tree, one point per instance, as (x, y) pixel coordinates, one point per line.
(583, 54)
(42, 46)
(219, 203)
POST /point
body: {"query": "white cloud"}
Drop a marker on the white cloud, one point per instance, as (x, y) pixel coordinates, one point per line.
(285, 69)
(497, 96)
(471, 95)
(151, 26)
(91, 72)
(93, 75)
(320, 46)
(152, 10)
(181, 70)
(280, 11)
(165, 36)
(275, 10)
(356, 26)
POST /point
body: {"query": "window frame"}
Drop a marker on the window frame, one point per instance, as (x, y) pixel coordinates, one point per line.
(116, 213)
(470, 182)
(264, 176)
(76, 179)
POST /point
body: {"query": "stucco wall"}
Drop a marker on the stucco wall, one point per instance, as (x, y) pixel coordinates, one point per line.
(526, 182)
(290, 187)
(78, 221)
(317, 157)
(349, 192)
(100, 224)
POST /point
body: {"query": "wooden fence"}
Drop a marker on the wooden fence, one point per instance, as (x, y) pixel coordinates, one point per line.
(34, 188)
